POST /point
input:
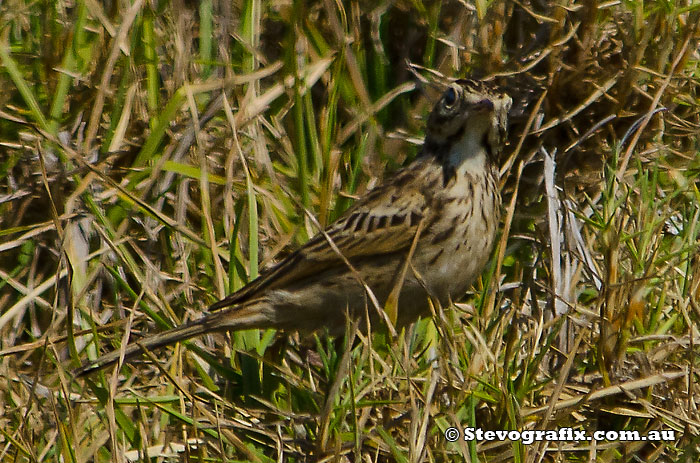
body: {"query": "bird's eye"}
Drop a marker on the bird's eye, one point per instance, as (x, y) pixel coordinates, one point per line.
(450, 97)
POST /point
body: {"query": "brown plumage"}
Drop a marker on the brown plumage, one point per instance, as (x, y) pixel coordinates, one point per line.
(442, 211)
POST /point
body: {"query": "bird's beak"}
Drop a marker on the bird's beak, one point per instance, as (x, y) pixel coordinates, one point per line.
(484, 105)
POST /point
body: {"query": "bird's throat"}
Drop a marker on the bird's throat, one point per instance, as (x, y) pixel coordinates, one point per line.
(468, 154)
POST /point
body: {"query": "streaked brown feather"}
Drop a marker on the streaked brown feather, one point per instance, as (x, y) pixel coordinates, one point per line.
(394, 209)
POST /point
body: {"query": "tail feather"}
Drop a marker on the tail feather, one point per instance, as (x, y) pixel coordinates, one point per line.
(235, 318)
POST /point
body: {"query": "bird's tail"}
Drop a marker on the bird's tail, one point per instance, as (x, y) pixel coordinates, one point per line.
(235, 318)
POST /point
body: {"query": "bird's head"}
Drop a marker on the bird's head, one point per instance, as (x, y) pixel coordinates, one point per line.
(472, 108)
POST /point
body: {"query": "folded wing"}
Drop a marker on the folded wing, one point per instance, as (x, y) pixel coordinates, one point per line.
(382, 222)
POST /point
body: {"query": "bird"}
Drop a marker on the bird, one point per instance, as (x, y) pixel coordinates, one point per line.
(426, 232)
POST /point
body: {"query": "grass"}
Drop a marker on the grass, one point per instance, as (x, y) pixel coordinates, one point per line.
(134, 194)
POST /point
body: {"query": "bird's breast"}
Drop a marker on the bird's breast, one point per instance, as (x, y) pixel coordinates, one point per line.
(459, 242)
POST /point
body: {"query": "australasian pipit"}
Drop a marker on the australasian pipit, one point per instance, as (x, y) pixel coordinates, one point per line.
(426, 232)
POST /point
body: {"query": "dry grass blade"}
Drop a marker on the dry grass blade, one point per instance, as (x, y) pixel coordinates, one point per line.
(622, 388)
(652, 109)
(593, 97)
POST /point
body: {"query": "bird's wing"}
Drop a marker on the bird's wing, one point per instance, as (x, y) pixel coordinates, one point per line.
(384, 221)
